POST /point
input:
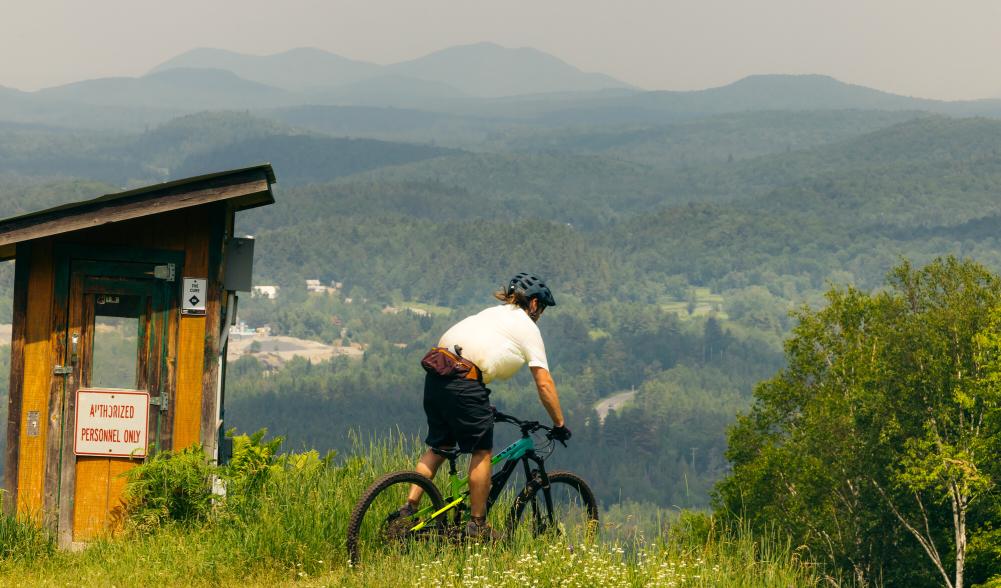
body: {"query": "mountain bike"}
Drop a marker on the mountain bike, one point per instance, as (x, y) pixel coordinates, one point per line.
(551, 502)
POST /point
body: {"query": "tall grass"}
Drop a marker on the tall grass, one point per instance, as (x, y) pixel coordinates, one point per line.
(291, 531)
(21, 540)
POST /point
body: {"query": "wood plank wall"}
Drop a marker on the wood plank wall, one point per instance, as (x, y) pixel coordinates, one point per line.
(21, 272)
(221, 225)
(193, 340)
(37, 374)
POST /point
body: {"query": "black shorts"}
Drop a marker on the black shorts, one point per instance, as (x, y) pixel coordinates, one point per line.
(458, 412)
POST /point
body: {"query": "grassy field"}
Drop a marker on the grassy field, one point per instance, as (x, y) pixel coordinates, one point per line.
(288, 529)
(426, 307)
(702, 303)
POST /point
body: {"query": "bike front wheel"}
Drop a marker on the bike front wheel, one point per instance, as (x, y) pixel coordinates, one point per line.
(375, 524)
(568, 508)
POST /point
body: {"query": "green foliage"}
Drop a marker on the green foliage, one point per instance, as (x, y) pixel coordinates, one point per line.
(21, 540)
(177, 487)
(691, 377)
(294, 534)
(728, 137)
(253, 460)
(169, 487)
(195, 144)
(766, 208)
(874, 446)
(984, 556)
(308, 158)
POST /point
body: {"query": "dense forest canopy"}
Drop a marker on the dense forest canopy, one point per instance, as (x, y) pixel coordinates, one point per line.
(683, 236)
(875, 448)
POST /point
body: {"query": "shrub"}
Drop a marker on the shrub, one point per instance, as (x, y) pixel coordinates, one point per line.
(178, 486)
(693, 528)
(170, 487)
(253, 460)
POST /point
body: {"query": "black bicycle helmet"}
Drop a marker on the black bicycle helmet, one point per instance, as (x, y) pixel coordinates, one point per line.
(531, 286)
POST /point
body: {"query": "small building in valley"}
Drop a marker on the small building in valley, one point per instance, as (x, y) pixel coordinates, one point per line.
(269, 292)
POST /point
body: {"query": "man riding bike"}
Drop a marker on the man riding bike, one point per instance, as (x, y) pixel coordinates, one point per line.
(489, 345)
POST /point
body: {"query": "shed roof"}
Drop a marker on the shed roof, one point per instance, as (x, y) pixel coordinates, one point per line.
(246, 187)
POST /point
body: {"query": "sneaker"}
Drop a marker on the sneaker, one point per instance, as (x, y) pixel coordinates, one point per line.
(398, 523)
(481, 531)
(406, 511)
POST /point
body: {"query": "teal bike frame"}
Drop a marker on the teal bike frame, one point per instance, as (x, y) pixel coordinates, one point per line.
(522, 450)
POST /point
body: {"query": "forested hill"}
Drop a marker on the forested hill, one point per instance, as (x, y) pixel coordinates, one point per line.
(676, 249)
(849, 206)
(196, 144)
(673, 282)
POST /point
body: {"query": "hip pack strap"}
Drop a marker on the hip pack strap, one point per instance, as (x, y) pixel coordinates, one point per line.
(445, 363)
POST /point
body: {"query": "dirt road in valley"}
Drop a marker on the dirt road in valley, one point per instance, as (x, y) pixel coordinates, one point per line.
(613, 402)
(277, 350)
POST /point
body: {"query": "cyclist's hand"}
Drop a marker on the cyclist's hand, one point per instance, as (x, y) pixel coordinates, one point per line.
(561, 434)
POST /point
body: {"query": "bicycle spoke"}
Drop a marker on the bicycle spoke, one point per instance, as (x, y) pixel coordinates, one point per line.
(569, 510)
(570, 515)
(377, 525)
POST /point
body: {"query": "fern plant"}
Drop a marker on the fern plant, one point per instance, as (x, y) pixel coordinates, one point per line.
(253, 460)
(171, 486)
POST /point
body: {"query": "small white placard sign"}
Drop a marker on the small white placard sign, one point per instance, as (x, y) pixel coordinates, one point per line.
(112, 423)
(193, 296)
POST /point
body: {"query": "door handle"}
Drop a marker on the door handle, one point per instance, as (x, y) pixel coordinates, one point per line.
(66, 370)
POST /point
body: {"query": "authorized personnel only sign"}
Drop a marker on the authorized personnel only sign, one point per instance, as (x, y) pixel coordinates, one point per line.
(112, 423)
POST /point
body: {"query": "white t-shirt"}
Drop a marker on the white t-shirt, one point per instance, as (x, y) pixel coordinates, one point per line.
(499, 340)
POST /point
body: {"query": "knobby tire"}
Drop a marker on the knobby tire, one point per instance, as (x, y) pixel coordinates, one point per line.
(534, 490)
(377, 487)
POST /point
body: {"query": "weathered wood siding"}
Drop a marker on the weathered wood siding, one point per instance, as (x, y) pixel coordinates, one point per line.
(33, 468)
(14, 399)
(191, 340)
(36, 374)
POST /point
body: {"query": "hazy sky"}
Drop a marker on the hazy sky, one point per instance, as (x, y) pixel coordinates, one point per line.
(926, 48)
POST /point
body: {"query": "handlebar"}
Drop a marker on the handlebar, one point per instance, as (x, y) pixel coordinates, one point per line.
(527, 427)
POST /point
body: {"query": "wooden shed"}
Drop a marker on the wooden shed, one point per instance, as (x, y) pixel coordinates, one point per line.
(119, 328)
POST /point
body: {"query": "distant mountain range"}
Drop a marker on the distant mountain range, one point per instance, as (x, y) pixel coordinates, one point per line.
(187, 88)
(299, 70)
(479, 70)
(472, 90)
(753, 93)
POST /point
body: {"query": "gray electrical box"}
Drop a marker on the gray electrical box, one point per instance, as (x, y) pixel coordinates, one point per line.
(239, 264)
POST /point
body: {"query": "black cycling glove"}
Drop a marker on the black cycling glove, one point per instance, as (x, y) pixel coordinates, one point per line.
(561, 433)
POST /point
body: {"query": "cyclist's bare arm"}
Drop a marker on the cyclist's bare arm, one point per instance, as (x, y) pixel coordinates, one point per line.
(547, 394)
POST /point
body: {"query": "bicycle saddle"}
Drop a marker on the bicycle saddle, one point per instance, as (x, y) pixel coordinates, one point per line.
(450, 454)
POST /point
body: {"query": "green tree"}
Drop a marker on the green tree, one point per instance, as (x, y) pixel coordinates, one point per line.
(879, 428)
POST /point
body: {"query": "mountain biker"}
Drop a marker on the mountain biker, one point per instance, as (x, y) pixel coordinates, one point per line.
(490, 345)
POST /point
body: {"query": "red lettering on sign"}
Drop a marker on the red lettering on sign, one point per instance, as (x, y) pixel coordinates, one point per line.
(111, 422)
(106, 435)
(113, 411)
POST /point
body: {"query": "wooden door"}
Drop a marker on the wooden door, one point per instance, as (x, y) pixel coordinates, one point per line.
(117, 335)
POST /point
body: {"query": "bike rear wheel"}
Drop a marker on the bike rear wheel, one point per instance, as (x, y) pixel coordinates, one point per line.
(571, 511)
(374, 525)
